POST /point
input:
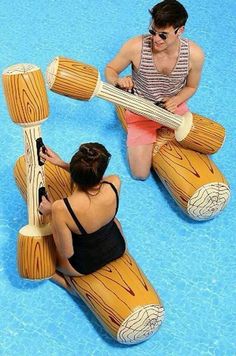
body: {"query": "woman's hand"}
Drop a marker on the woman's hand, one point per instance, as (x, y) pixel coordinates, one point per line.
(49, 155)
(45, 206)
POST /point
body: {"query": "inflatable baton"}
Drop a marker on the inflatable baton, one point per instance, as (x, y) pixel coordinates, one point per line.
(192, 179)
(118, 294)
(27, 103)
(82, 81)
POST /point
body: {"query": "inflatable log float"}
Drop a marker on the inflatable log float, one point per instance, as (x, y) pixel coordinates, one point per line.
(192, 178)
(81, 81)
(119, 294)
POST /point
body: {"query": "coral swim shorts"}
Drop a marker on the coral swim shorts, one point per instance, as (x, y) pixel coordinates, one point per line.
(142, 131)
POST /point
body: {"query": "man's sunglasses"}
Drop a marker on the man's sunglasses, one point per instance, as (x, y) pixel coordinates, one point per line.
(162, 35)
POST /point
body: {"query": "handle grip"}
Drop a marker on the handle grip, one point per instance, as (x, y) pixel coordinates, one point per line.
(40, 145)
(42, 192)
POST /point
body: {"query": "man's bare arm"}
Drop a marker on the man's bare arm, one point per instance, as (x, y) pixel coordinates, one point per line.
(120, 62)
(194, 76)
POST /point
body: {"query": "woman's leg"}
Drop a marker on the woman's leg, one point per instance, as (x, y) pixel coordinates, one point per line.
(59, 279)
(64, 266)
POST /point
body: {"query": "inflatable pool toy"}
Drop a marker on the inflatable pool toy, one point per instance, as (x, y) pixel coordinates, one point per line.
(119, 294)
(193, 180)
(81, 81)
(27, 103)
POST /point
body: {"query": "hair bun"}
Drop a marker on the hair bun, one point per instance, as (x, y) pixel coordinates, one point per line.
(89, 154)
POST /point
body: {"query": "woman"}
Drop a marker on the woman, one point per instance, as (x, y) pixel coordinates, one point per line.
(86, 233)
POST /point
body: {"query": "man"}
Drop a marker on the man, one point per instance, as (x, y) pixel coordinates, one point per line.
(166, 69)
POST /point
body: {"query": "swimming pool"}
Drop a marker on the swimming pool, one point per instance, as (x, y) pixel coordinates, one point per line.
(191, 264)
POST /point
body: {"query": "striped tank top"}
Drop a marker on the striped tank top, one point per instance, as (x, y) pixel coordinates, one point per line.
(150, 84)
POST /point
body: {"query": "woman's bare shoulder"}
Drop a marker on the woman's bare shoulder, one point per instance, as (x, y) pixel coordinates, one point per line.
(114, 179)
(58, 206)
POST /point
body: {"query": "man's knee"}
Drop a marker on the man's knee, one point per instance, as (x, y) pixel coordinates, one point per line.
(140, 175)
(140, 161)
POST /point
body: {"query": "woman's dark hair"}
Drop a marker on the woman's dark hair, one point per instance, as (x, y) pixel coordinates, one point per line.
(169, 13)
(88, 165)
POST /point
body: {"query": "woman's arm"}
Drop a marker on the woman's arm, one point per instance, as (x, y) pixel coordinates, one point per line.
(54, 158)
(61, 232)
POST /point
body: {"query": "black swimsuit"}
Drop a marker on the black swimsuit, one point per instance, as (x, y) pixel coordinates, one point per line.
(95, 250)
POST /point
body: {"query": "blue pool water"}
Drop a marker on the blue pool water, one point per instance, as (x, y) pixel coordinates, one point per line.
(191, 264)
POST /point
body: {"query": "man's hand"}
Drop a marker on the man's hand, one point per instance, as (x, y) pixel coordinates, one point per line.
(125, 83)
(171, 104)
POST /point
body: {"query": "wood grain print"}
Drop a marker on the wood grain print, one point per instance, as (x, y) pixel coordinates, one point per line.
(123, 300)
(34, 174)
(192, 179)
(57, 180)
(119, 294)
(81, 81)
(74, 79)
(36, 255)
(25, 93)
(206, 136)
